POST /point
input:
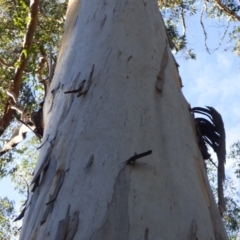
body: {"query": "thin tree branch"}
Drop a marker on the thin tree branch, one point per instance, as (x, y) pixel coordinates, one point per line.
(27, 188)
(16, 105)
(51, 65)
(203, 28)
(221, 39)
(8, 65)
(40, 67)
(183, 21)
(17, 80)
(227, 10)
(21, 121)
(205, 33)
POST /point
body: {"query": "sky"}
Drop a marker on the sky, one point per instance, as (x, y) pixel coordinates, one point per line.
(210, 80)
(213, 80)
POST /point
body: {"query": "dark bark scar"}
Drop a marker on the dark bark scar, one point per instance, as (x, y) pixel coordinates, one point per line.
(103, 21)
(129, 58)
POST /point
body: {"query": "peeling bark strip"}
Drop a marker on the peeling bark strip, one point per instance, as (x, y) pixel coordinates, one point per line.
(192, 234)
(132, 159)
(73, 226)
(17, 80)
(24, 205)
(47, 211)
(43, 167)
(213, 134)
(161, 74)
(63, 226)
(53, 139)
(43, 142)
(129, 58)
(52, 197)
(66, 228)
(21, 215)
(81, 90)
(59, 181)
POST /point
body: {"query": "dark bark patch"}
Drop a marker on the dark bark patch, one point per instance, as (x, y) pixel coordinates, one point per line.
(63, 226)
(90, 161)
(146, 234)
(192, 234)
(116, 225)
(129, 58)
(136, 156)
(144, 3)
(47, 211)
(103, 21)
(73, 226)
(66, 227)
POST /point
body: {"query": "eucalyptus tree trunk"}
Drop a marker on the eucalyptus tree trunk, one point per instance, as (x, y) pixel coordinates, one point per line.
(116, 94)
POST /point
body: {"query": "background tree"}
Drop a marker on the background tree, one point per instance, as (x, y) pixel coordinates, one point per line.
(7, 228)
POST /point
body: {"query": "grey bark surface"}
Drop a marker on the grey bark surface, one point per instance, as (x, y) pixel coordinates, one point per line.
(132, 106)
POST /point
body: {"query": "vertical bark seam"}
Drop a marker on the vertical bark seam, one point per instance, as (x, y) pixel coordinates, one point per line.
(161, 73)
(146, 234)
(103, 21)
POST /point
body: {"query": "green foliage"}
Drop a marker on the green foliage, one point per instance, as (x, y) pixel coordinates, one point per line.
(22, 171)
(235, 35)
(20, 167)
(14, 19)
(231, 217)
(235, 155)
(8, 230)
(19, 163)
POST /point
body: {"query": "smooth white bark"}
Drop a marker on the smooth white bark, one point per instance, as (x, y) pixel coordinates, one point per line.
(165, 195)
